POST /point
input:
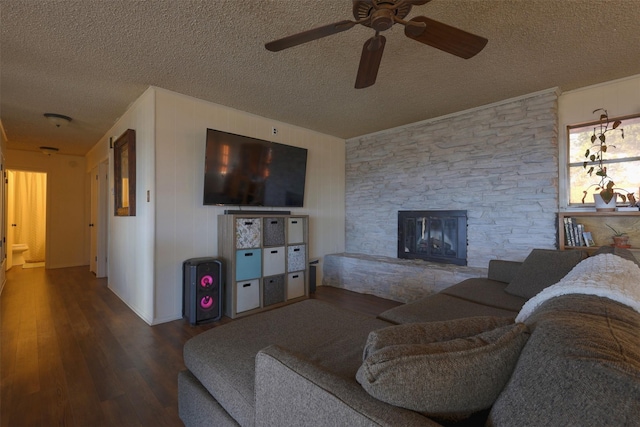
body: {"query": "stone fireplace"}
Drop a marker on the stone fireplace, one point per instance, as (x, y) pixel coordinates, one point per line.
(437, 236)
(499, 162)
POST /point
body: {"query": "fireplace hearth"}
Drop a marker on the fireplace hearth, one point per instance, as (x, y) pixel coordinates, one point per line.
(438, 236)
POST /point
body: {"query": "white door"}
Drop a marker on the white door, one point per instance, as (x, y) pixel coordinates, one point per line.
(93, 235)
(100, 219)
(101, 224)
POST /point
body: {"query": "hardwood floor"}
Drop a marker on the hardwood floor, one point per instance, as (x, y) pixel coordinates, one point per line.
(73, 354)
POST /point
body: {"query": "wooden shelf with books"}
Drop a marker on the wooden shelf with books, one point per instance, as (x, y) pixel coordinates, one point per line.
(572, 227)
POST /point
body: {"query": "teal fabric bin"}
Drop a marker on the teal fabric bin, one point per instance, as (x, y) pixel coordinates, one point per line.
(248, 264)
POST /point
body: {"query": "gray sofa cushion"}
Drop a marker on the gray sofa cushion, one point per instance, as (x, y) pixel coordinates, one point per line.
(441, 307)
(446, 369)
(223, 358)
(503, 271)
(581, 367)
(487, 292)
(542, 268)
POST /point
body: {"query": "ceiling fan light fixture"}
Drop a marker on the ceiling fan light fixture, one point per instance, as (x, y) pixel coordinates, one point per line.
(58, 120)
(48, 150)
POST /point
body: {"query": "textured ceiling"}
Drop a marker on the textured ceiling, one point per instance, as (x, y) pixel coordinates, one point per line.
(91, 59)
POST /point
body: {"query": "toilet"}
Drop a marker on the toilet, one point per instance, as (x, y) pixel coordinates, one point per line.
(18, 253)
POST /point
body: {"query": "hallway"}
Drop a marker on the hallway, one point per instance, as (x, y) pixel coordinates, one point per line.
(73, 354)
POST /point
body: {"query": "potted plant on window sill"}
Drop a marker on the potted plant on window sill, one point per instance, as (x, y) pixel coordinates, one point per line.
(606, 194)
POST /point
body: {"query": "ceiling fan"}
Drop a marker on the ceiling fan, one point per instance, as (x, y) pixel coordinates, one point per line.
(381, 15)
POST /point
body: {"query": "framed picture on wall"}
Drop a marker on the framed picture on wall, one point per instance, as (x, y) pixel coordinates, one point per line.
(124, 173)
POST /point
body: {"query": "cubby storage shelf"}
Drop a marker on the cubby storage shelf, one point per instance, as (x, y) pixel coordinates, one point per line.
(266, 259)
(596, 223)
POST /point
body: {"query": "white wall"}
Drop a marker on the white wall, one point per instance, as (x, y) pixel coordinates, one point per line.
(146, 251)
(131, 239)
(67, 224)
(619, 97)
(187, 229)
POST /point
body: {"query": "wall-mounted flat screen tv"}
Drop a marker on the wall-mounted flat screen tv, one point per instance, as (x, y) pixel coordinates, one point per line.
(244, 171)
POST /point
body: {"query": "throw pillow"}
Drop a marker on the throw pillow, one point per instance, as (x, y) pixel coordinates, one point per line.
(446, 378)
(621, 252)
(541, 269)
(430, 332)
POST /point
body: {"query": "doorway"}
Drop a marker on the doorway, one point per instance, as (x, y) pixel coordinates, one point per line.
(99, 209)
(26, 218)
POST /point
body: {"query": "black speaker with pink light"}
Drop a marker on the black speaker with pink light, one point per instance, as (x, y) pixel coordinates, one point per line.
(202, 284)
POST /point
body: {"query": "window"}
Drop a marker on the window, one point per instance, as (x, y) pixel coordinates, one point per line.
(621, 159)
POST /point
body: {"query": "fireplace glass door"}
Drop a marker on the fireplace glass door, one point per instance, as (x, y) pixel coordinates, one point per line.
(438, 236)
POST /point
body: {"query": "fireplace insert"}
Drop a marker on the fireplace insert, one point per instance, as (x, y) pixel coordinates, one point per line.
(438, 236)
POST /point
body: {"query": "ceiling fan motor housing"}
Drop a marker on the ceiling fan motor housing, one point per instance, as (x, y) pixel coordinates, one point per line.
(380, 12)
(382, 19)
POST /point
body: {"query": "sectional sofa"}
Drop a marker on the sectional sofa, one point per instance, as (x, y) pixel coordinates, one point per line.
(536, 343)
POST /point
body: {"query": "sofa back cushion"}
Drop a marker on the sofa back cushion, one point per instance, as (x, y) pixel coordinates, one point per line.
(502, 270)
(447, 370)
(580, 367)
(542, 268)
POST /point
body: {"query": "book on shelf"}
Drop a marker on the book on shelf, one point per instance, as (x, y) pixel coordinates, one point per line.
(580, 232)
(588, 239)
(574, 233)
(568, 240)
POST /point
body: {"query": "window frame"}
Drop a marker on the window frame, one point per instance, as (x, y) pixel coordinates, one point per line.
(568, 164)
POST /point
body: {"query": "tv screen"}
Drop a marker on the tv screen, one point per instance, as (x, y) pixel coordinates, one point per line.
(244, 171)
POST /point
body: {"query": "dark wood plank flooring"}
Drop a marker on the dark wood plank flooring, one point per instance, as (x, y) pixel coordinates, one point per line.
(73, 354)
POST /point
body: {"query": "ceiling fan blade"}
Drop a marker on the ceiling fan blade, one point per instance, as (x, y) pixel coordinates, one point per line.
(445, 37)
(370, 61)
(310, 35)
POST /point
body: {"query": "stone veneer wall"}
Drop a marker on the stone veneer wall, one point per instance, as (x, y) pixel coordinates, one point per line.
(500, 163)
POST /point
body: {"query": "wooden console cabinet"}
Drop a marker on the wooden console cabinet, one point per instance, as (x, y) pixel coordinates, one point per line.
(596, 223)
(266, 260)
